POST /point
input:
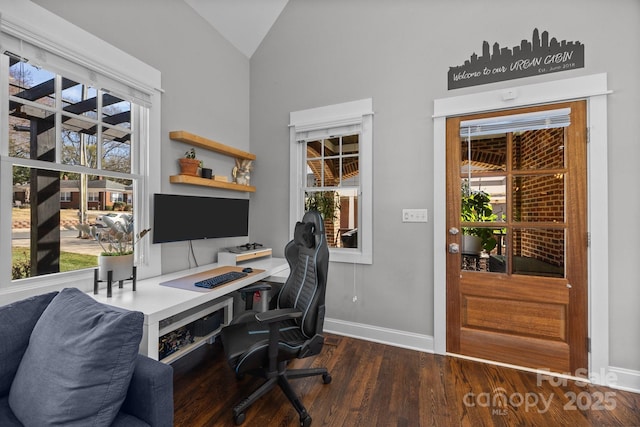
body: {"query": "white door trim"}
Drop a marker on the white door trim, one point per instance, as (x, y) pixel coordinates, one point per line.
(593, 88)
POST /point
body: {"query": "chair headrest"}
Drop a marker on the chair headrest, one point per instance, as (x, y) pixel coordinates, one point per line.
(305, 231)
(303, 234)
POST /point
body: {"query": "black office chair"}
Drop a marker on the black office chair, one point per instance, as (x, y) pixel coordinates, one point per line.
(262, 344)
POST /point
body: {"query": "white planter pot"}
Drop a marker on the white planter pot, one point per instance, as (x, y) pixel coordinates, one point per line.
(471, 245)
(121, 265)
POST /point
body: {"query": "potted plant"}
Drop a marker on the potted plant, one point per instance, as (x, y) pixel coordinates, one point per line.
(117, 242)
(189, 164)
(476, 207)
(325, 202)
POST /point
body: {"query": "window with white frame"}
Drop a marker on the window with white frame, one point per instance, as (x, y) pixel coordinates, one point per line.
(331, 171)
(76, 113)
(117, 197)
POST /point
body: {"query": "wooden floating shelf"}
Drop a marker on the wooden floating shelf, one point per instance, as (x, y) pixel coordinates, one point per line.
(209, 144)
(196, 180)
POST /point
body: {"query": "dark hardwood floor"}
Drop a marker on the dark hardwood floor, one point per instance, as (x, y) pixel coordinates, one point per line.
(379, 385)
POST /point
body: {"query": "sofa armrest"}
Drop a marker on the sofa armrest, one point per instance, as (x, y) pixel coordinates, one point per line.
(150, 394)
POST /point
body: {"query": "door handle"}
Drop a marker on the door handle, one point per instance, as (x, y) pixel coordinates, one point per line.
(454, 248)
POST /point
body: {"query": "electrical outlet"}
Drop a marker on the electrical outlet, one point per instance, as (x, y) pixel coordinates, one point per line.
(414, 215)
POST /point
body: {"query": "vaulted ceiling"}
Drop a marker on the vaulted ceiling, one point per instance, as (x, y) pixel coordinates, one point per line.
(244, 23)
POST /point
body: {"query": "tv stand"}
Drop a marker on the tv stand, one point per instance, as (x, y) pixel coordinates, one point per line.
(167, 308)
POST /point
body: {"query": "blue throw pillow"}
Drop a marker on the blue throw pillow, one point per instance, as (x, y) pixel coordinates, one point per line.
(78, 365)
(16, 323)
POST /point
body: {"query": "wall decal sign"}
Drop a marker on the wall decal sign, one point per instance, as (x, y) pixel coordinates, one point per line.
(541, 55)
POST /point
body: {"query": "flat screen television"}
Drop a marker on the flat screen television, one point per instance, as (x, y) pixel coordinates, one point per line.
(178, 218)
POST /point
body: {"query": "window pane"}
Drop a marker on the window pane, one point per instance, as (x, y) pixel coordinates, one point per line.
(539, 149)
(314, 173)
(48, 206)
(79, 99)
(116, 151)
(538, 252)
(314, 149)
(30, 83)
(22, 121)
(538, 198)
(350, 171)
(78, 142)
(484, 153)
(116, 111)
(332, 172)
(328, 204)
(331, 147)
(350, 144)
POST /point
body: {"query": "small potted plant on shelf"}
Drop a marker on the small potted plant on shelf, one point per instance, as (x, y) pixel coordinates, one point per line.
(117, 242)
(189, 164)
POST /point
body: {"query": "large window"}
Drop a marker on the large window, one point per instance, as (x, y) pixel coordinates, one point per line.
(331, 172)
(77, 116)
(76, 127)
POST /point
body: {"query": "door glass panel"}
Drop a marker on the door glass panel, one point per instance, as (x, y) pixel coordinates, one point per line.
(538, 149)
(539, 198)
(484, 153)
(480, 245)
(484, 199)
(538, 252)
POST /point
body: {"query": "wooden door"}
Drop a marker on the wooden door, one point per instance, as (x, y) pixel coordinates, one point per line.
(524, 300)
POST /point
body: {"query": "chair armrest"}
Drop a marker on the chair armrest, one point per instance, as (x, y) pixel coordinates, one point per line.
(150, 394)
(278, 315)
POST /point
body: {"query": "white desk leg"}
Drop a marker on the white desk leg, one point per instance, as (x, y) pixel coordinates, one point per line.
(151, 337)
(228, 311)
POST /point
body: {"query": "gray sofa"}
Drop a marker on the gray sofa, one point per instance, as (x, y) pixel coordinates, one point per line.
(68, 360)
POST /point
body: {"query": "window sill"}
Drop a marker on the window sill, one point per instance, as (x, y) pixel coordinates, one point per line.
(351, 256)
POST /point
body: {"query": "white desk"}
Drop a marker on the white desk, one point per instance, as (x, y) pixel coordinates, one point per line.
(175, 307)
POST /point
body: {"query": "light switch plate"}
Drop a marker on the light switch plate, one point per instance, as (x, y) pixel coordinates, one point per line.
(414, 215)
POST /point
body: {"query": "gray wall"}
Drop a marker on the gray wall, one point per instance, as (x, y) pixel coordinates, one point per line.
(398, 53)
(206, 84)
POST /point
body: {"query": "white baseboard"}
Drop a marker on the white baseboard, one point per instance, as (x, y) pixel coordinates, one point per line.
(624, 379)
(377, 334)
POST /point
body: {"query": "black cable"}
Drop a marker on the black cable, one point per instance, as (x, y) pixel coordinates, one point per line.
(192, 254)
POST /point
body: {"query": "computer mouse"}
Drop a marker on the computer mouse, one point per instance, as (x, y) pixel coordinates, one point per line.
(247, 270)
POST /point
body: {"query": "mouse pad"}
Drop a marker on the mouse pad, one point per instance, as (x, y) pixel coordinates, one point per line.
(187, 282)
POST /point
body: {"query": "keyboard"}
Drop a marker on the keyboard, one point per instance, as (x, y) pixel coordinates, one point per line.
(215, 281)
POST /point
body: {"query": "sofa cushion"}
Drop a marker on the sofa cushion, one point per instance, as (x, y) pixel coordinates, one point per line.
(78, 364)
(16, 323)
(7, 419)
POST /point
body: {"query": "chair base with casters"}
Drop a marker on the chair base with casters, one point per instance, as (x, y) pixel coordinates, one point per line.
(277, 373)
(280, 377)
(262, 344)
